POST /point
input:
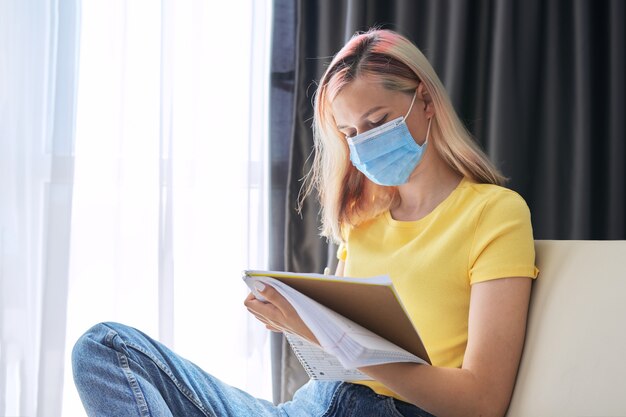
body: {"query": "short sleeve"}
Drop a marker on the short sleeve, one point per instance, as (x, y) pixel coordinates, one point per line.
(342, 252)
(503, 244)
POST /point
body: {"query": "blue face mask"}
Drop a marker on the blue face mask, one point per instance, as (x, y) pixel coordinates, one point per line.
(387, 154)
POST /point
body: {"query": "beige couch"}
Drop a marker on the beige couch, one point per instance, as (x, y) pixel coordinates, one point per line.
(574, 361)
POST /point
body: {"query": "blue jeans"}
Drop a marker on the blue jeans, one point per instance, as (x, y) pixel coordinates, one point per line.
(120, 371)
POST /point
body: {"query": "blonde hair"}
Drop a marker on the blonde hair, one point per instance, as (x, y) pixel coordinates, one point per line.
(346, 196)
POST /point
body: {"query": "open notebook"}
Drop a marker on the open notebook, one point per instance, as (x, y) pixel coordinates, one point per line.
(358, 322)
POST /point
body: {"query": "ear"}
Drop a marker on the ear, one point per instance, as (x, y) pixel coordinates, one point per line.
(424, 95)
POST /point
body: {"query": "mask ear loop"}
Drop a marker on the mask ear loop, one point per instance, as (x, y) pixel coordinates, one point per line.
(411, 107)
(429, 120)
(428, 130)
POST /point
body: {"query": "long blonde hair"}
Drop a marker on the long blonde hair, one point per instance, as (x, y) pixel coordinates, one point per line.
(346, 196)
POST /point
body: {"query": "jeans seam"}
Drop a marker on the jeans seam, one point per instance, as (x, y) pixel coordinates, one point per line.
(419, 412)
(333, 400)
(140, 399)
(392, 407)
(182, 388)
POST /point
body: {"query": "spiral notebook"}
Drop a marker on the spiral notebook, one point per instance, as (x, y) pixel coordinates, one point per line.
(358, 322)
(319, 364)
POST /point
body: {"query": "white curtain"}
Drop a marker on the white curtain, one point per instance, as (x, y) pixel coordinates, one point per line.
(150, 217)
(38, 53)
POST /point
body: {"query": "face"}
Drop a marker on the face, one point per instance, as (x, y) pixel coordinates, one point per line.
(365, 104)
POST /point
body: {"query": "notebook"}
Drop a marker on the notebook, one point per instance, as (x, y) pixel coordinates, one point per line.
(358, 322)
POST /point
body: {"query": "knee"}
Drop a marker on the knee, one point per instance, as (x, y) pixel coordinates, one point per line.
(92, 348)
(87, 345)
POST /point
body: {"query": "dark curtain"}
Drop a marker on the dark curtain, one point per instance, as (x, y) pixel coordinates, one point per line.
(539, 83)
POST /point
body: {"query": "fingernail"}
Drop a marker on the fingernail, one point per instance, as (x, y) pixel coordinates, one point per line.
(259, 286)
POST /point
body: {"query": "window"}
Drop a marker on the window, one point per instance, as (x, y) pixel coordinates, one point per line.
(169, 201)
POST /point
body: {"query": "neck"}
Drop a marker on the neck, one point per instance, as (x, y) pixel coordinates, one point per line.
(429, 185)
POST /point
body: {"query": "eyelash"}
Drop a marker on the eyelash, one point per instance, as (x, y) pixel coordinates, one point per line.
(372, 124)
(379, 122)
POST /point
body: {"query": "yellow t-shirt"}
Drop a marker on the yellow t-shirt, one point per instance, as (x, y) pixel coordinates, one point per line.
(479, 232)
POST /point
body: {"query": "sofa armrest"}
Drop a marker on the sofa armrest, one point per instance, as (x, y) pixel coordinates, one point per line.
(574, 359)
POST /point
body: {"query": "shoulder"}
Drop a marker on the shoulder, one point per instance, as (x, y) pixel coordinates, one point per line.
(494, 200)
(491, 192)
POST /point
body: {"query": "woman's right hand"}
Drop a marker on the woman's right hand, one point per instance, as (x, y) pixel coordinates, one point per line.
(278, 314)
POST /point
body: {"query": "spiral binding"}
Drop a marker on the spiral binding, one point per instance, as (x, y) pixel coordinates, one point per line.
(294, 342)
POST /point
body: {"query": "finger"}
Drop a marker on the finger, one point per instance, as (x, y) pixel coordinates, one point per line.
(251, 301)
(273, 329)
(265, 319)
(277, 299)
(274, 303)
(279, 310)
(261, 308)
(270, 325)
(262, 319)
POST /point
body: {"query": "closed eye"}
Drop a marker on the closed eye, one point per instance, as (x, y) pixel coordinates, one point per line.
(349, 133)
(378, 122)
(370, 124)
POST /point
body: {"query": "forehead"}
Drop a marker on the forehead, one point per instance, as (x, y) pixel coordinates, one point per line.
(360, 96)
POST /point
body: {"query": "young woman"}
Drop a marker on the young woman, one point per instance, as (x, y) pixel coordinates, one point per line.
(405, 192)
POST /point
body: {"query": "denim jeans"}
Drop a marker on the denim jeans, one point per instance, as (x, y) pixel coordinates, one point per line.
(119, 371)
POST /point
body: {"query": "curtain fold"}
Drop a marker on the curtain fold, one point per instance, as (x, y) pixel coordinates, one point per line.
(39, 50)
(281, 83)
(615, 124)
(170, 201)
(540, 85)
(133, 186)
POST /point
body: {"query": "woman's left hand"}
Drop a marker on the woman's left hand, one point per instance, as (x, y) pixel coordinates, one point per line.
(278, 314)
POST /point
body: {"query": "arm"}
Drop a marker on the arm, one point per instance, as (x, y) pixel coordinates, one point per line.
(339, 270)
(484, 384)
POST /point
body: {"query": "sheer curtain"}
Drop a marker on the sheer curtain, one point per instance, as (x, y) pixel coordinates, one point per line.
(133, 186)
(169, 197)
(38, 54)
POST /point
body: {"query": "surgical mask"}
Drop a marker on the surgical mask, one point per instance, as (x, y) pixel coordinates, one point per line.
(387, 154)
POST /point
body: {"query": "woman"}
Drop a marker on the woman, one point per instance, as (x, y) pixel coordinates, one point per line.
(405, 192)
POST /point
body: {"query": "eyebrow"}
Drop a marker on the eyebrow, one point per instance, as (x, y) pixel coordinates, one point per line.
(365, 115)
